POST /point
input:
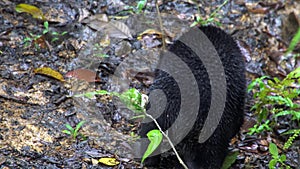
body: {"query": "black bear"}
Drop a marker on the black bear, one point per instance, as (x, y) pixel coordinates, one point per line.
(211, 153)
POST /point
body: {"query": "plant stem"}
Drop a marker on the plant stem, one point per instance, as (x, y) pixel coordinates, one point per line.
(170, 142)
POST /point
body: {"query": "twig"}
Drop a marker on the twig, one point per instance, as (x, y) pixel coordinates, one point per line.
(161, 26)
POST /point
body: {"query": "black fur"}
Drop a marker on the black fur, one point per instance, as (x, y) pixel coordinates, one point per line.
(210, 154)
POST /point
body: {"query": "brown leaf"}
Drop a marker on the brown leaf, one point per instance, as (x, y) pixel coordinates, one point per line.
(151, 38)
(33, 10)
(118, 29)
(97, 17)
(113, 28)
(84, 74)
(41, 42)
(259, 10)
(49, 72)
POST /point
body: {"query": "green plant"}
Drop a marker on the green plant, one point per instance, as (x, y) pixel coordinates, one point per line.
(132, 98)
(229, 160)
(259, 128)
(29, 40)
(140, 6)
(276, 158)
(275, 97)
(136, 102)
(55, 34)
(73, 131)
(97, 48)
(294, 42)
(155, 138)
(295, 133)
(211, 18)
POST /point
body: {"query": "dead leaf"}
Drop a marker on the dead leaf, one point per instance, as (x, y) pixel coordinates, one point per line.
(259, 10)
(151, 38)
(109, 161)
(41, 42)
(105, 41)
(97, 17)
(95, 162)
(84, 74)
(118, 29)
(113, 28)
(49, 72)
(33, 10)
(150, 32)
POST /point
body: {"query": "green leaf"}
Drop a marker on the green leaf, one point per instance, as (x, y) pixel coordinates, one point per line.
(286, 112)
(132, 98)
(292, 131)
(89, 95)
(141, 4)
(55, 33)
(254, 83)
(281, 100)
(65, 32)
(67, 132)
(272, 163)
(54, 39)
(142, 116)
(296, 115)
(229, 160)
(155, 138)
(46, 25)
(294, 74)
(68, 126)
(276, 80)
(79, 125)
(294, 41)
(283, 158)
(273, 150)
(27, 39)
(102, 92)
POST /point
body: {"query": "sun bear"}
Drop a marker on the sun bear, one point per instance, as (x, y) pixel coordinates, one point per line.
(211, 153)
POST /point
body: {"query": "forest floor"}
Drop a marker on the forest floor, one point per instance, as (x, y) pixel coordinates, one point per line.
(84, 44)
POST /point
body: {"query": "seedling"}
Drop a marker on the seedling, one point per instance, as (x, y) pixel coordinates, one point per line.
(211, 18)
(294, 42)
(140, 5)
(134, 9)
(276, 158)
(55, 34)
(34, 38)
(73, 132)
(97, 47)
